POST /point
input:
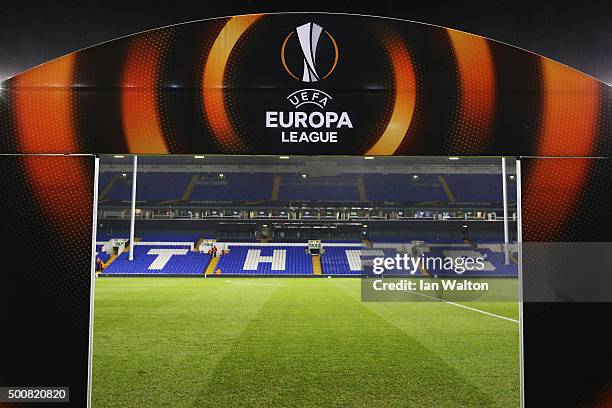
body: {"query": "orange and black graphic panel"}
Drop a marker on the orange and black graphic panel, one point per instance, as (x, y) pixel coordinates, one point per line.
(306, 83)
(567, 235)
(46, 227)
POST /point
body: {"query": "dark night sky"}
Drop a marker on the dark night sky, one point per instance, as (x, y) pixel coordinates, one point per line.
(578, 34)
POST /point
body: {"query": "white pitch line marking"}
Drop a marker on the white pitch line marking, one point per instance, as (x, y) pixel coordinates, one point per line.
(415, 293)
(467, 307)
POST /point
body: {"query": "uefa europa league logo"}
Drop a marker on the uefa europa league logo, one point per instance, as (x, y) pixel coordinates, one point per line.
(308, 36)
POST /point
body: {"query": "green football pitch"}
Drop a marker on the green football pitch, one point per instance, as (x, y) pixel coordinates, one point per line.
(240, 342)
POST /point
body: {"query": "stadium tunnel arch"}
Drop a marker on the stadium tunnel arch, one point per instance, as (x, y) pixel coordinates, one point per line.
(409, 88)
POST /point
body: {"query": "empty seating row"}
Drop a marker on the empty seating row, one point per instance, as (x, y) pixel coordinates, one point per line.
(157, 186)
(403, 187)
(233, 187)
(103, 256)
(160, 259)
(104, 237)
(164, 237)
(350, 260)
(493, 262)
(410, 238)
(479, 188)
(149, 187)
(339, 188)
(268, 260)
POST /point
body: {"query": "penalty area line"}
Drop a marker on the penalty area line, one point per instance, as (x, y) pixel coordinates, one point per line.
(467, 307)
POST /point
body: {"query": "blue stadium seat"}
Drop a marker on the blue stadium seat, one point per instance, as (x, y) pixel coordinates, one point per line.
(479, 188)
(270, 260)
(341, 260)
(494, 262)
(402, 187)
(160, 259)
(102, 255)
(340, 188)
(235, 187)
(165, 237)
(149, 187)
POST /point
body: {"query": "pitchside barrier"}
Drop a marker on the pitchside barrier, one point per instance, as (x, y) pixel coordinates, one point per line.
(165, 243)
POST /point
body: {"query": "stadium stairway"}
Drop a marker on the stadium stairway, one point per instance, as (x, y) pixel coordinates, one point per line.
(447, 190)
(189, 188)
(362, 189)
(424, 271)
(276, 187)
(316, 265)
(127, 247)
(110, 260)
(108, 187)
(212, 265)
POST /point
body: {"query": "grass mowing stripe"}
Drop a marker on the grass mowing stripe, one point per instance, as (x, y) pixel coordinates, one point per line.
(483, 350)
(482, 304)
(156, 347)
(320, 348)
(298, 342)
